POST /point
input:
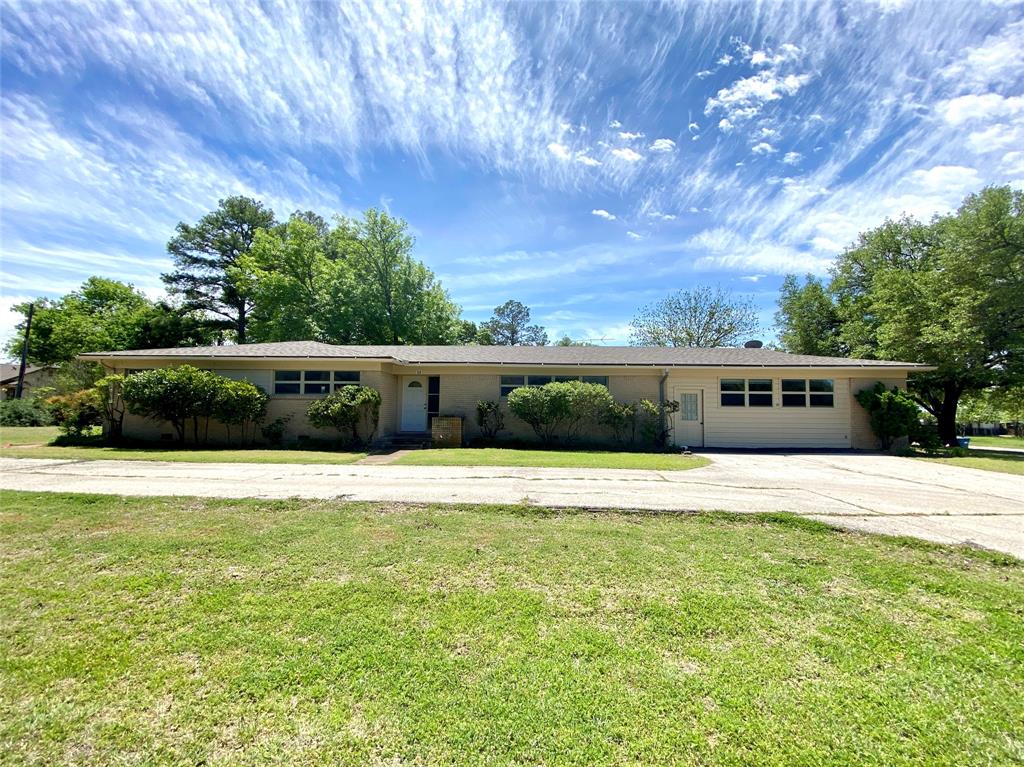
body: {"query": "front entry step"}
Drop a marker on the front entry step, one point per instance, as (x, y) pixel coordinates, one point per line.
(410, 440)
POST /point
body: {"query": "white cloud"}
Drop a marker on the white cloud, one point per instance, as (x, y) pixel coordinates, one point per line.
(614, 124)
(628, 136)
(762, 148)
(628, 155)
(980, 107)
(725, 124)
(792, 158)
(656, 214)
(725, 60)
(745, 98)
(753, 277)
(561, 151)
(584, 159)
(996, 137)
(662, 145)
(704, 73)
(602, 213)
(634, 236)
(721, 248)
(999, 59)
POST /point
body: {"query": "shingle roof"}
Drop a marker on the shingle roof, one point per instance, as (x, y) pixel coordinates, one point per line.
(651, 356)
(9, 371)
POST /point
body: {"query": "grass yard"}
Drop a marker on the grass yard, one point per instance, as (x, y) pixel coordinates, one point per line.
(29, 442)
(561, 459)
(27, 435)
(1007, 463)
(1007, 441)
(184, 631)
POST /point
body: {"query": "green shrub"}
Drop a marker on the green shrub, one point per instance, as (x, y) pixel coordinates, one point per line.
(893, 414)
(352, 410)
(273, 432)
(622, 422)
(23, 412)
(242, 404)
(655, 421)
(76, 412)
(490, 418)
(561, 408)
(176, 395)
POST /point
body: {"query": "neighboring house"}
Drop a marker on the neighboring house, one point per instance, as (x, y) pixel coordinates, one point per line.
(36, 376)
(728, 397)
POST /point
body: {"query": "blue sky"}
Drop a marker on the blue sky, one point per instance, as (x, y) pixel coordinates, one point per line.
(584, 159)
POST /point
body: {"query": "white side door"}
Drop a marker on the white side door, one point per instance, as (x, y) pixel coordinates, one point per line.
(414, 404)
(690, 418)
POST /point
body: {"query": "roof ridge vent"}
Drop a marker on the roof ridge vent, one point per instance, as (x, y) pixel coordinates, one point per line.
(753, 344)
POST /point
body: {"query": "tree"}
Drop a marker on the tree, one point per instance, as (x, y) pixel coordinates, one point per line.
(110, 400)
(544, 408)
(490, 418)
(510, 326)
(205, 255)
(565, 340)
(104, 315)
(703, 317)
(298, 290)
(808, 319)
(396, 299)
(240, 403)
(75, 412)
(947, 294)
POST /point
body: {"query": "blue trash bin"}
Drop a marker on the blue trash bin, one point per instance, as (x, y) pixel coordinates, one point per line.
(963, 441)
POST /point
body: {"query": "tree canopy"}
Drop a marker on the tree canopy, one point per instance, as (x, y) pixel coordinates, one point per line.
(510, 326)
(703, 317)
(103, 315)
(946, 293)
(206, 254)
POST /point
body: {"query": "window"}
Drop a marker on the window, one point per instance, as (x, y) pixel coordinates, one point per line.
(794, 392)
(816, 392)
(508, 383)
(759, 392)
(688, 407)
(313, 382)
(433, 398)
(822, 392)
(740, 392)
(732, 390)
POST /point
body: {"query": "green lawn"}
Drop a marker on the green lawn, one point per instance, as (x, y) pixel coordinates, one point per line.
(27, 435)
(1016, 442)
(1007, 463)
(562, 459)
(186, 631)
(29, 442)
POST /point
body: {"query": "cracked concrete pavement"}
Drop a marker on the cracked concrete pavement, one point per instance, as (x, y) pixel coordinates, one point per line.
(877, 493)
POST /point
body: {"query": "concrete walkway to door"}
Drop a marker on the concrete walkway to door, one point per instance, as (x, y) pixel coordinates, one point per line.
(879, 493)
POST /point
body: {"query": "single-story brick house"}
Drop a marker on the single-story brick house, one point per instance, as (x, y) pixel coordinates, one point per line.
(728, 397)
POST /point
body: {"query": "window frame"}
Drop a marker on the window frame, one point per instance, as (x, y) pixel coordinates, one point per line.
(313, 383)
(505, 387)
(737, 392)
(814, 392)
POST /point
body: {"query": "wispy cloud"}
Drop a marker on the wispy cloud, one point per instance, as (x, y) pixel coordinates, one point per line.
(602, 213)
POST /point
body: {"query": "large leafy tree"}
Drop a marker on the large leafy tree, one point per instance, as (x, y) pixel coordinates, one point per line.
(396, 299)
(947, 293)
(355, 283)
(703, 317)
(808, 319)
(206, 255)
(105, 315)
(510, 326)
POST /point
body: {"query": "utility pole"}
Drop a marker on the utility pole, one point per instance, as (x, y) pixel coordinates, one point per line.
(24, 352)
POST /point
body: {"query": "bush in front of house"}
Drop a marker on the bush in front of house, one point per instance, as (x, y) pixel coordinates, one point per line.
(75, 413)
(186, 395)
(560, 409)
(110, 401)
(241, 404)
(892, 413)
(23, 412)
(490, 418)
(352, 410)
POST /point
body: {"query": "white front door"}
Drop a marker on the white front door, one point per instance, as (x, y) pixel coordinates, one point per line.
(414, 404)
(690, 418)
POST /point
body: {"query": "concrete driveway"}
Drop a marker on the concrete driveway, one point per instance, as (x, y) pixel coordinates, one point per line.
(902, 496)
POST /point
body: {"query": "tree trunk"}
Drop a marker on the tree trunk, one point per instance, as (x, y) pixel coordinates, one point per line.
(241, 324)
(947, 416)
